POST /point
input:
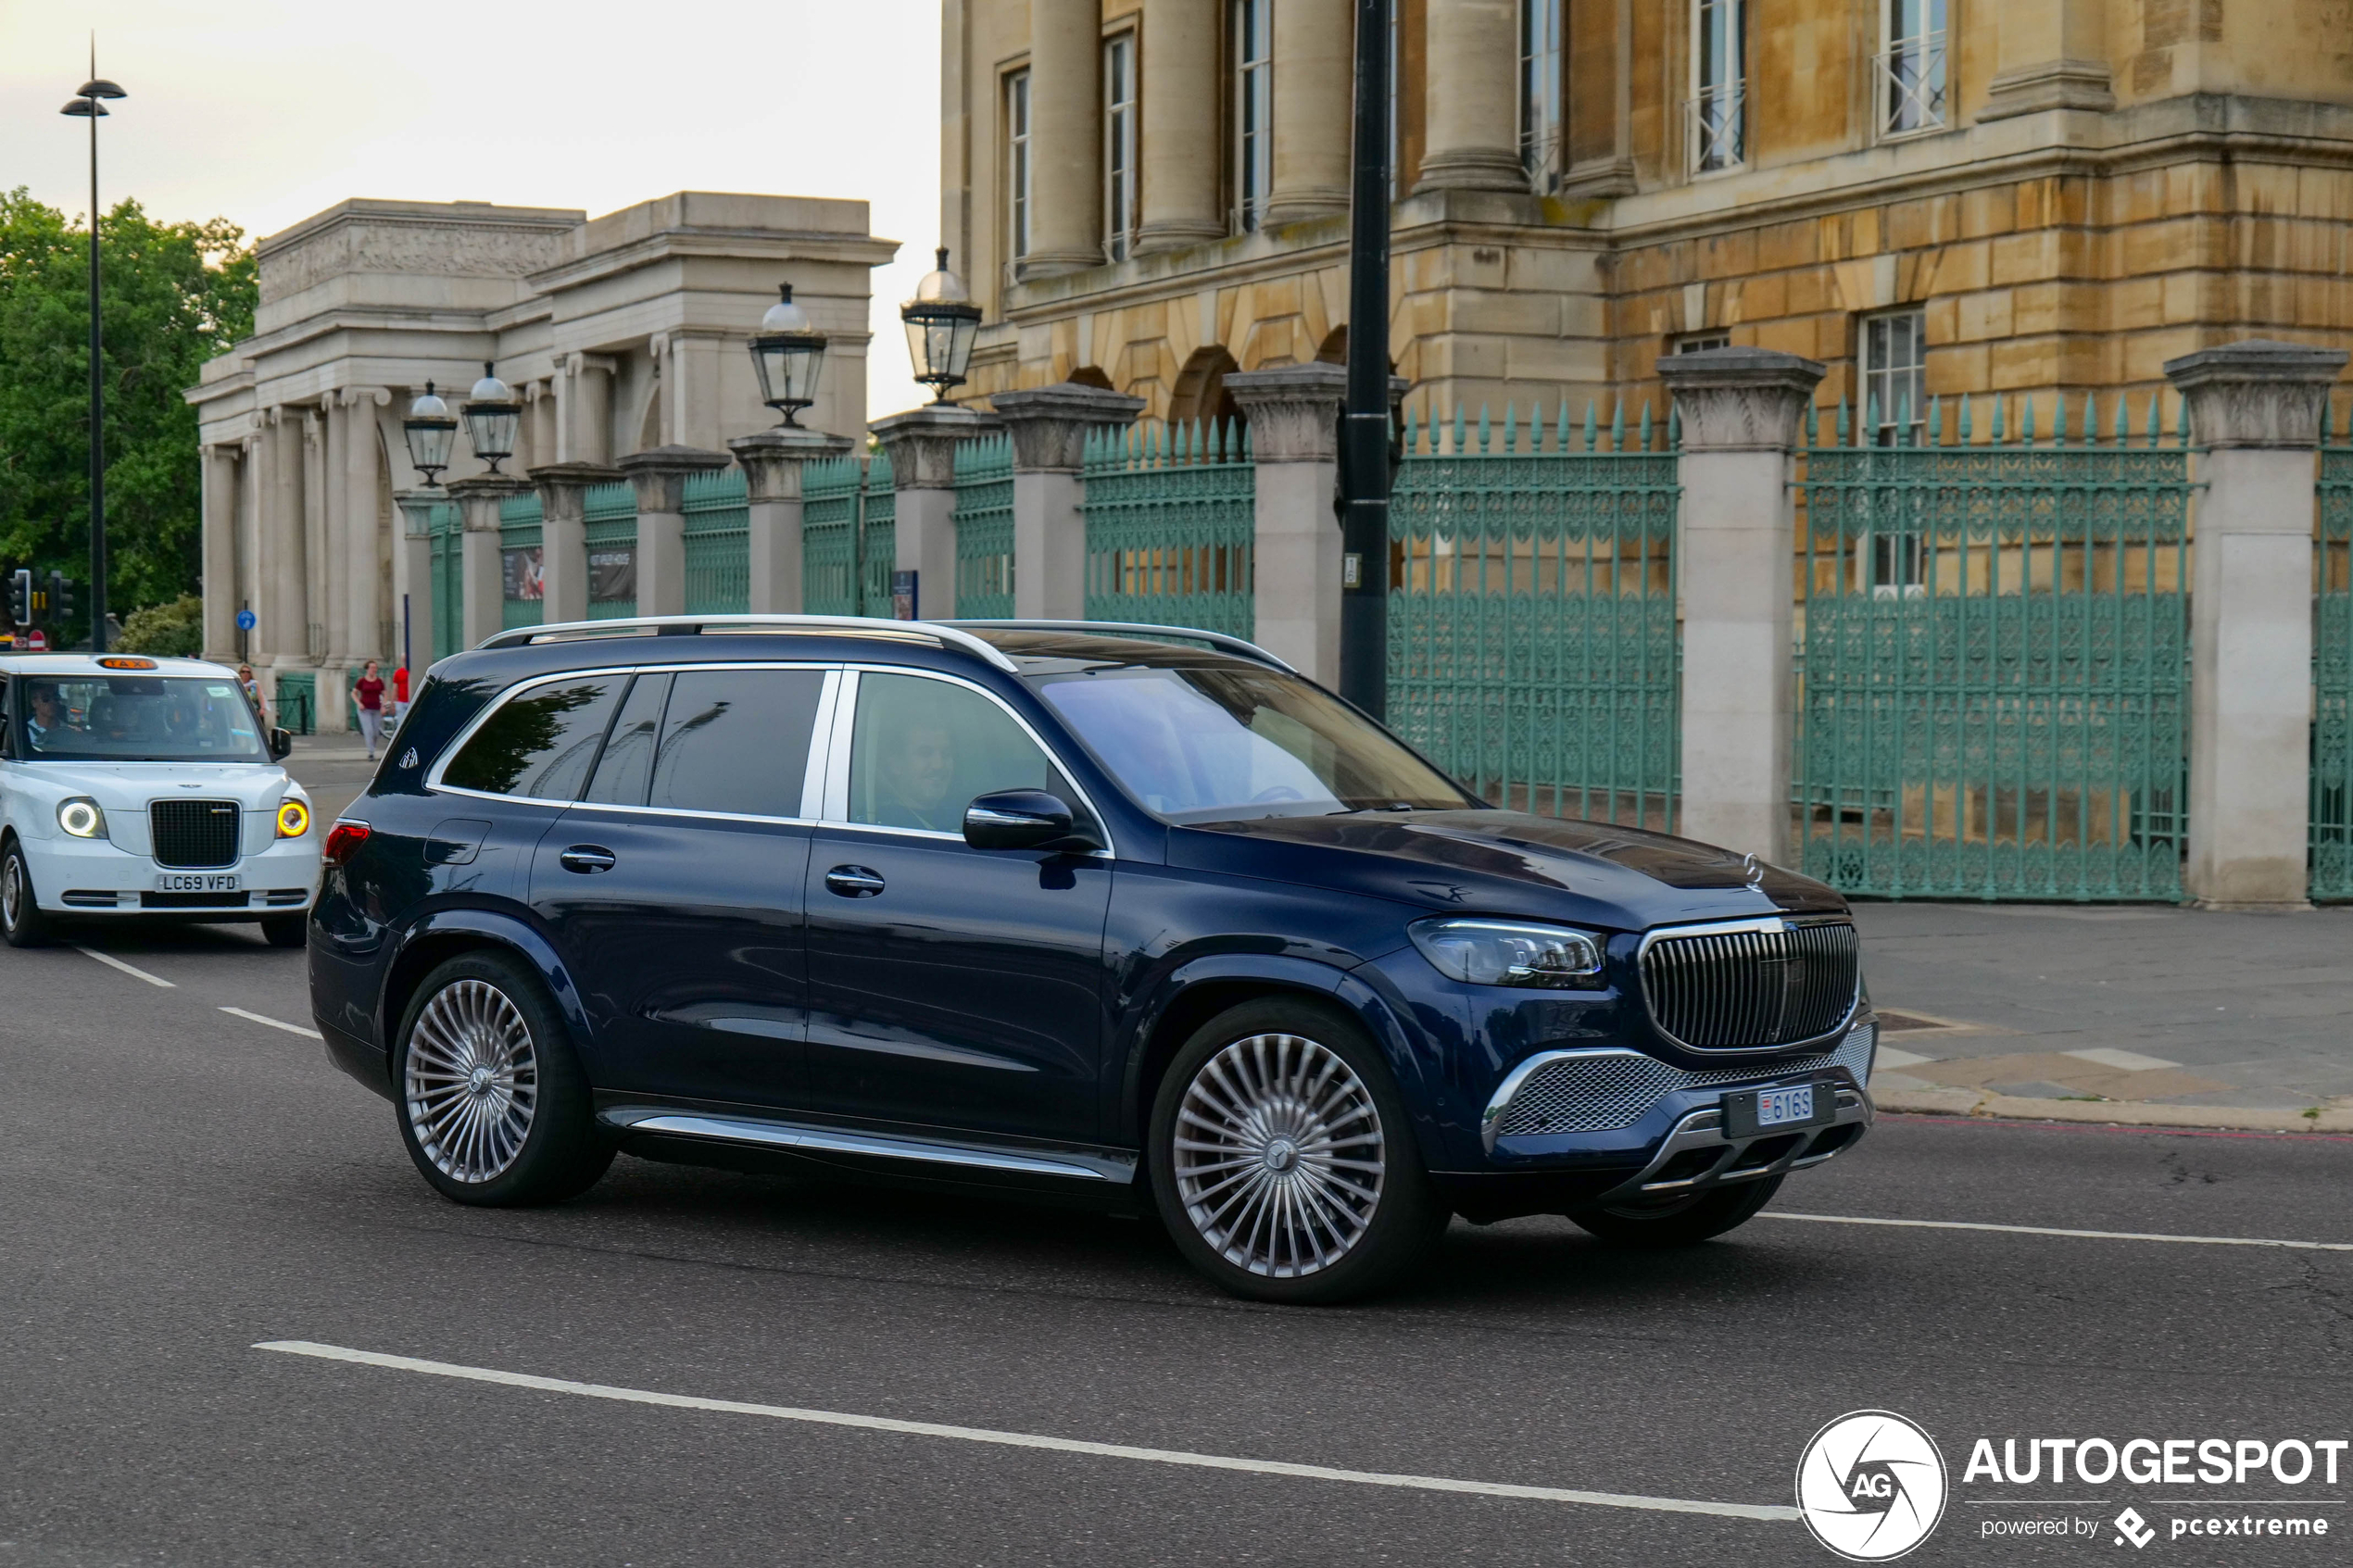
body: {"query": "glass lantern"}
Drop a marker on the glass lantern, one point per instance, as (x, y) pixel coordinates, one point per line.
(493, 419)
(941, 321)
(788, 353)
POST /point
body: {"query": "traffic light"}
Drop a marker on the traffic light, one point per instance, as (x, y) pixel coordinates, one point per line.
(61, 598)
(20, 595)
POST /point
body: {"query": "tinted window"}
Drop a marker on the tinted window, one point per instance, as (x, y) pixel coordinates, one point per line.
(539, 744)
(922, 749)
(137, 719)
(736, 740)
(627, 764)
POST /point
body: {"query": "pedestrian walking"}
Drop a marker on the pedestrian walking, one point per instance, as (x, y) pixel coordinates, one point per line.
(369, 691)
(253, 693)
(399, 696)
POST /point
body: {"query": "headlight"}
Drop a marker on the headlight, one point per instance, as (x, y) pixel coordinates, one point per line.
(82, 818)
(1503, 952)
(294, 818)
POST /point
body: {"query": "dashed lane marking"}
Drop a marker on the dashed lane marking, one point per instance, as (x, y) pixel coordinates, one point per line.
(132, 970)
(2048, 1230)
(273, 1023)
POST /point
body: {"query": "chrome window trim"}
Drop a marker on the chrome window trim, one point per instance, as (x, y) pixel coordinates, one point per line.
(1767, 924)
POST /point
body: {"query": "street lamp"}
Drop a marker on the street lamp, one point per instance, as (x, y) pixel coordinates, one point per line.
(941, 320)
(90, 103)
(492, 419)
(788, 353)
(430, 431)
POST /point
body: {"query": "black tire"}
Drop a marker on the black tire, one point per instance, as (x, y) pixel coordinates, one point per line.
(1684, 1222)
(22, 920)
(559, 1153)
(286, 930)
(1374, 1244)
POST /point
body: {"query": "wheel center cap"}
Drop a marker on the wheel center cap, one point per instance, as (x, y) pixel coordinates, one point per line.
(1281, 1155)
(480, 1080)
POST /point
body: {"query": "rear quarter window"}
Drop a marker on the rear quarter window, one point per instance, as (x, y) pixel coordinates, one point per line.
(539, 744)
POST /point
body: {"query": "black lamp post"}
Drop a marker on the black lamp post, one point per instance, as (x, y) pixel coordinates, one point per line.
(430, 431)
(493, 419)
(90, 103)
(941, 321)
(787, 352)
(1364, 423)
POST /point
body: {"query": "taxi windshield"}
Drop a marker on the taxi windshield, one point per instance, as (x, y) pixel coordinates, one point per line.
(135, 718)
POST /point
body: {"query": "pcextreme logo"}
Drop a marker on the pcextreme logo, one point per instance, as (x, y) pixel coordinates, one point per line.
(1870, 1485)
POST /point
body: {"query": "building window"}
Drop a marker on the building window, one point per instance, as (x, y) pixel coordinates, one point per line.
(1911, 68)
(1719, 119)
(1542, 122)
(1895, 364)
(1017, 163)
(1120, 161)
(1691, 343)
(1253, 109)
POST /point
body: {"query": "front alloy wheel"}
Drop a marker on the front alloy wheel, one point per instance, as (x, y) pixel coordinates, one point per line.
(21, 921)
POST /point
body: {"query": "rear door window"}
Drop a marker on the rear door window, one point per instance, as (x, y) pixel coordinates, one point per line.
(541, 744)
(628, 765)
(736, 741)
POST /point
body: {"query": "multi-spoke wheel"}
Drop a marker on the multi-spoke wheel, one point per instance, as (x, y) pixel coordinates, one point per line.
(1281, 1158)
(21, 921)
(493, 1105)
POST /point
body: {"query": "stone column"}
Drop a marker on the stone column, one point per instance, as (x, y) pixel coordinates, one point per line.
(412, 581)
(1049, 426)
(659, 476)
(1314, 76)
(1294, 431)
(563, 536)
(584, 409)
(1473, 53)
(772, 461)
(1741, 409)
(1181, 165)
(2050, 54)
(921, 444)
(284, 565)
(220, 553)
(2256, 408)
(1065, 137)
(364, 548)
(480, 574)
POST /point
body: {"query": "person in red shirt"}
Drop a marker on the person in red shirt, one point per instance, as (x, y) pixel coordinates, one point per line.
(399, 696)
(369, 691)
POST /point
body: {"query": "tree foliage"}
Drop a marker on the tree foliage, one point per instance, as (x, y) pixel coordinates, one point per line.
(175, 296)
(174, 630)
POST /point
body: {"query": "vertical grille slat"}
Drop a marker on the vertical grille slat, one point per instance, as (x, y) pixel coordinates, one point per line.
(1753, 989)
(195, 834)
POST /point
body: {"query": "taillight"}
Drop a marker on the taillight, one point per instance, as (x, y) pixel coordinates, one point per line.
(343, 840)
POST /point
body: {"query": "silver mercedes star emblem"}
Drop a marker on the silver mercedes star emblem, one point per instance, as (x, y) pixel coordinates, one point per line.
(1752, 870)
(409, 758)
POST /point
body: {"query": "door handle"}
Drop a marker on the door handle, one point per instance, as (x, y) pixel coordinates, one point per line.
(587, 858)
(853, 882)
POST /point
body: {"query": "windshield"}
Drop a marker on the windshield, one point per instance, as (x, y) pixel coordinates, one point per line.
(1222, 743)
(135, 718)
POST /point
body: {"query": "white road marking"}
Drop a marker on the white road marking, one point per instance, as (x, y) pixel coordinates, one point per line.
(1028, 1440)
(1898, 1058)
(2123, 1061)
(2047, 1230)
(273, 1023)
(113, 962)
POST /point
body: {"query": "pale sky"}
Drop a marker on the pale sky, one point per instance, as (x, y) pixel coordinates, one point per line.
(264, 112)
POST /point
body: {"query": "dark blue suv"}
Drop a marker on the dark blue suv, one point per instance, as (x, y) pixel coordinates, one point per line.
(1122, 915)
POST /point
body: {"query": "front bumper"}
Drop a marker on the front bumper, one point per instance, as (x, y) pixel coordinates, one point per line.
(98, 877)
(1700, 1153)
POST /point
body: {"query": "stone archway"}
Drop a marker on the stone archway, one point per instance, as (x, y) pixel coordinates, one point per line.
(1201, 389)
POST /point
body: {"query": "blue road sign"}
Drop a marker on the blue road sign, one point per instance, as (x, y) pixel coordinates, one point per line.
(246, 621)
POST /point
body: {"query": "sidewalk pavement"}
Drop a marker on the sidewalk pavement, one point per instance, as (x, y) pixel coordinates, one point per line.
(2146, 1014)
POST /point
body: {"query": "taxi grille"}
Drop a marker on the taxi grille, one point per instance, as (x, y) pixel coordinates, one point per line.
(195, 834)
(1769, 984)
(1602, 1091)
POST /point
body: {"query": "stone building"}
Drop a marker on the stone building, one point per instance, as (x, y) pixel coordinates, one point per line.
(620, 334)
(1928, 196)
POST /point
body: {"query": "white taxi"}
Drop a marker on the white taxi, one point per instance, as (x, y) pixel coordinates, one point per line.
(134, 788)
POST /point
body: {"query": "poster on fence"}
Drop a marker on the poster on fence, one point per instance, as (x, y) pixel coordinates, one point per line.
(612, 574)
(521, 572)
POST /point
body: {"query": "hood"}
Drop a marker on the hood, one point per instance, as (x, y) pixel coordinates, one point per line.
(1505, 863)
(256, 786)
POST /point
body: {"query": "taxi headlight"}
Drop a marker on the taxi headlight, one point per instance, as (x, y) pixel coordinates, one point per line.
(294, 818)
(1510, 952)
(82, 818)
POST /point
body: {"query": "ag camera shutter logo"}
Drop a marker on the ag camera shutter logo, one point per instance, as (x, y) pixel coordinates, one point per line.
(1870, 1485)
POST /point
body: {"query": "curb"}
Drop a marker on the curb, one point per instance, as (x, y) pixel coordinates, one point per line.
(2107, 1112)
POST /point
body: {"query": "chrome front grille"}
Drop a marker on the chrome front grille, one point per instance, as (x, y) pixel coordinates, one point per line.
(195, 834)
(1752, 984)
(1600, 1091)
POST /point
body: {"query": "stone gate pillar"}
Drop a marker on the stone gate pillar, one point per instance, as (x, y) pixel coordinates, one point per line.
(921, 444)
(1294, 435)
(412, 581)
(563, 536)
(1049, 426)
(1737, 540)
(2256, 409)
(484, 587)
(659, 476)
(772, 461)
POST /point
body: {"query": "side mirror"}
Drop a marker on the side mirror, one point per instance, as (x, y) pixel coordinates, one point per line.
(1022, 819)
(280, 745)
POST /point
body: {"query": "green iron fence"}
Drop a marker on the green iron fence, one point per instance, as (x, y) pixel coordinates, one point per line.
(448, 579)
(1170, 525)
(985, 529)
(718, 514)
(1993, 667)
(848, 539)
(609, 512)
(521, 603)
(1532, 646)
(2332, 848)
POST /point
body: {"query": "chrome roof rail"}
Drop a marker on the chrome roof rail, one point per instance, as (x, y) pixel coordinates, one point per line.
(944, 634)
(1219, 641)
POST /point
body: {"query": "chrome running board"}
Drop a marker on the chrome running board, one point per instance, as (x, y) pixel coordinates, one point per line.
(799, 1137)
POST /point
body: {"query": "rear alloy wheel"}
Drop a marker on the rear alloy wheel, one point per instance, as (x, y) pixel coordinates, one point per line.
(493, 1105)
(21, 921)
(1682, 1222)
(1282, 1159)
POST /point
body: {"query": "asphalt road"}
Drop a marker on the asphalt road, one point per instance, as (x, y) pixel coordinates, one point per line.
(182, 1183)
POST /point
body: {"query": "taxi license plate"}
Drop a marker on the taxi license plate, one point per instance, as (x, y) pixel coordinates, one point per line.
(1751, 1111)
(199, 882)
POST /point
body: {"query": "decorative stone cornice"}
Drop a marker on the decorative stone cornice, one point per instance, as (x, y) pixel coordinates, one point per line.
(922, 443)
(2052, 84)
(2256, 393)
(1740, 399)
(660, 474)
(1050, 423)
(771, 458)
(416, 509)
(564, 488)
(1293, 411)
(479, 496)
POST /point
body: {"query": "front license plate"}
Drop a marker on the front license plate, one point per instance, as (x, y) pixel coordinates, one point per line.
(1751, 1111)
(1780, 1108)
(199, 882)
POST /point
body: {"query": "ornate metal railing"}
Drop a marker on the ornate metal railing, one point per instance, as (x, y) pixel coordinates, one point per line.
(2332, 811)
(1994, 659)
(1171, 525)
(718, 543)
(848, 537)
(1532, 641)
(985, 529)
(1909, 80)
(609, 512)
(1716, 127)
(519, 562)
